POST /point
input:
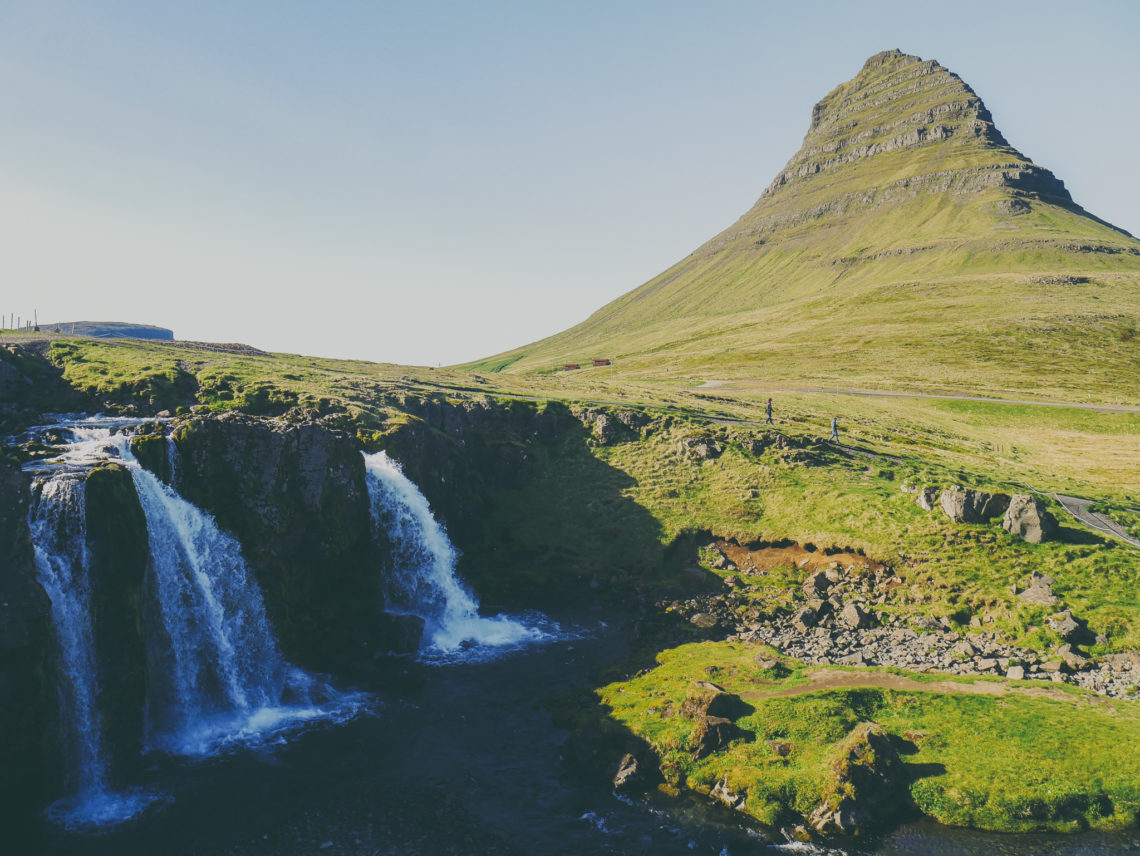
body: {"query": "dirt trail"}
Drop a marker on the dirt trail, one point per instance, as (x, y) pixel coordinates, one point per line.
(830, 679)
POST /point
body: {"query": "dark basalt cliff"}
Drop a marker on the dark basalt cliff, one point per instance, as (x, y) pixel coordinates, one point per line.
(27, 708)
(295, 497)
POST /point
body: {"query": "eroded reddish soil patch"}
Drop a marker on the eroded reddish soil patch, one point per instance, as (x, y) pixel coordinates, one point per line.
(757, 558)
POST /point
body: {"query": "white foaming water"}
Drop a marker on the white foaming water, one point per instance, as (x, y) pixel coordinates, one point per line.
(57, 520)
(423, 580)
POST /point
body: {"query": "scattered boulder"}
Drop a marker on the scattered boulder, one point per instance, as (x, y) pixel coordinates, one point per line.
(926, 498)
(1029, 519)
(804, 619)
(995, 505)
(868, 784)
(1065, 625)
(633, 776)
(1015, 673)
(1040, 591)
(704, 621)
(1073, 658)
(817, 584)
(963, 648)
(854, 617)
(721, 791)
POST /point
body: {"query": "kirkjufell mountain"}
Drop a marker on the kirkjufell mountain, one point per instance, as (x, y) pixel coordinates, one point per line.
(906, 242)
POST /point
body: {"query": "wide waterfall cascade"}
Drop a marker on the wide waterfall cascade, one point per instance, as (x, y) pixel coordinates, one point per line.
(57, 520)
(221, 660)
(216, 677)
(221, 679)
(422, 579)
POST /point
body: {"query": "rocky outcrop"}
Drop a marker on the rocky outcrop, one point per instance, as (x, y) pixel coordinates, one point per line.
(296, 499)
(636, 773)
(712, 734)
(964, 505)
(707, 699)
(867, 787)
(926, 498)
(1028, 518)
(712, 709)
(26, 709)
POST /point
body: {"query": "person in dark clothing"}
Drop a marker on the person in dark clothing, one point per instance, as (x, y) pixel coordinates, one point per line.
(835, 430)
(768, 409)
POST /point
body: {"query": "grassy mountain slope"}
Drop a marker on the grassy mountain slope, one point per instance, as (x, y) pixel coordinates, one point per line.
(906, 240)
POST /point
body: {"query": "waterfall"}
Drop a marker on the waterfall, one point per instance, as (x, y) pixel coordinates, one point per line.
(58, 523)
(421, 579)
(216, 678)
(219, 659)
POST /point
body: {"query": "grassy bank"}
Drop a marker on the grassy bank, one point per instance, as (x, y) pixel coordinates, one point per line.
(1019, 760)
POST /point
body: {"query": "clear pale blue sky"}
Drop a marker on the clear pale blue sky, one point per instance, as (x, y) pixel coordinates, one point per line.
(425, 182)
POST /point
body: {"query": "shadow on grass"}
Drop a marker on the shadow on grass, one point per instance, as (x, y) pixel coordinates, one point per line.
(540, 521)
(1073, 535)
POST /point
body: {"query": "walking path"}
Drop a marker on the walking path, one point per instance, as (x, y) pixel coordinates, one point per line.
(1079, 508)
(873, 393)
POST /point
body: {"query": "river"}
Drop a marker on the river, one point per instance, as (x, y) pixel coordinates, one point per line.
(455, 759)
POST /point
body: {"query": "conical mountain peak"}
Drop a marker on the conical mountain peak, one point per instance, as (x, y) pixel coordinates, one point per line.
(899, 101)
(905, 224)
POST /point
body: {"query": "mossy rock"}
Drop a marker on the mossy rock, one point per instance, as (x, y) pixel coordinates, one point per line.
(153, 453)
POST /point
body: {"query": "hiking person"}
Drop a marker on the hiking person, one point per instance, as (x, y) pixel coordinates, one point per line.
(768, 409)
(835, 430)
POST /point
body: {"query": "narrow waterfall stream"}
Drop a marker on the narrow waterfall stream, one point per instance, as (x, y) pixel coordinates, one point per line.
(57, 520)
(422, 579)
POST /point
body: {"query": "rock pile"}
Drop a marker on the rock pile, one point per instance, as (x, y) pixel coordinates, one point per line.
(840, 621)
